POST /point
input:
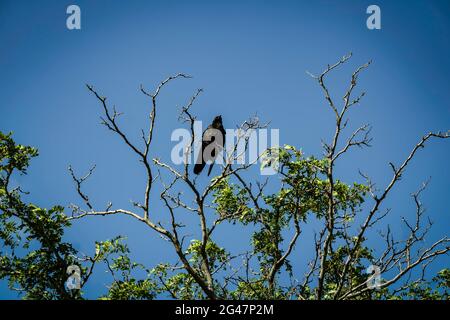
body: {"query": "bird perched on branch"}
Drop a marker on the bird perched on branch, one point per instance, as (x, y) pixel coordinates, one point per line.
(213, 141)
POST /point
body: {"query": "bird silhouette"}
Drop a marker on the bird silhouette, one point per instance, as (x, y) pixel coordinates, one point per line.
(213, 140)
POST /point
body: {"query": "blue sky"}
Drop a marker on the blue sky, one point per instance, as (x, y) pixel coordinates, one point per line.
(249, 56)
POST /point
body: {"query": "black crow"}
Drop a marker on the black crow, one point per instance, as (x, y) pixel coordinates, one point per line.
(214, 137)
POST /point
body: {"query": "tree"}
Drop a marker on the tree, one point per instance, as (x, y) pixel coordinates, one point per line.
(40, 272)
(308, 191)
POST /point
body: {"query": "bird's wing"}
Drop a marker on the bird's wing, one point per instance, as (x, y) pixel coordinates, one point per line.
(209, 134)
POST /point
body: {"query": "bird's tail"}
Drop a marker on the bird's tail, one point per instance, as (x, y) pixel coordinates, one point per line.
(210, 168)
(199, 167)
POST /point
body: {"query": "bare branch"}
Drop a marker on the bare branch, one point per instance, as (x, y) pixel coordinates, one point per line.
(79, 181)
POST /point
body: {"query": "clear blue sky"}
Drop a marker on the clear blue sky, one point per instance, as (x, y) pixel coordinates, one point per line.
(249, 56)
